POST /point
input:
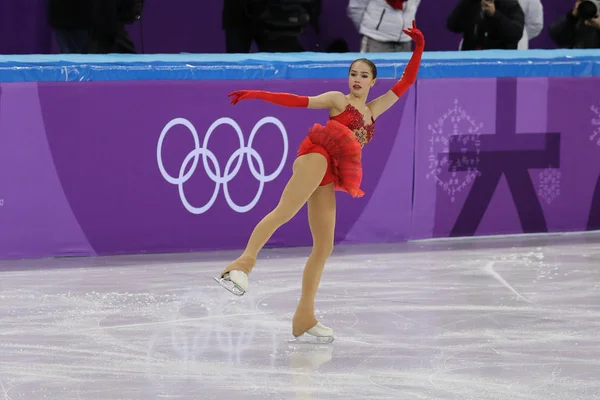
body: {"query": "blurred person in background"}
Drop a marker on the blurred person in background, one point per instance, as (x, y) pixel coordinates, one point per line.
(579, 28)
(93, 26)
(381, 23)
(108, 33)
(488, 24)
(70, 21)
(274, 25)
(534, 21)
(339, 45)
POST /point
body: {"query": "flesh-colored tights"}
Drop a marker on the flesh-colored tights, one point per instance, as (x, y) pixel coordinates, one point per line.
(302, 187)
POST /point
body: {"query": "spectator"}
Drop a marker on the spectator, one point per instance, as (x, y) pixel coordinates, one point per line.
(273, 25)
(380, 23)
(488, 24)
(70, 20)
(108, 33)
(579, 28)
(93, 26)
(534, 21)
(338, 46)
(239, 21)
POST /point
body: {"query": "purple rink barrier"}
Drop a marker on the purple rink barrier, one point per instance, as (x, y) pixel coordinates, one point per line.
(116, 167)
(500, 156)
(163, 166)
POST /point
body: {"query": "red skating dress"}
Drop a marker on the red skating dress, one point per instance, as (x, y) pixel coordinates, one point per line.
(341, 141)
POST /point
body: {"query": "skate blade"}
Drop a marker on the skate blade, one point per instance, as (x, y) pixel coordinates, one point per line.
(230, 286)
(308, 339)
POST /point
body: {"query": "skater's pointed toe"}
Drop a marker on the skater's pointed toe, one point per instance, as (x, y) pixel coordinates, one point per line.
(235, 277)
(234, 281)
(240, 278)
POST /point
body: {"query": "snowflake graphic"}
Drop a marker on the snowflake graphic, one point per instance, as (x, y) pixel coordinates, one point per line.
(549, 185)
(455, 126)
(595, 136)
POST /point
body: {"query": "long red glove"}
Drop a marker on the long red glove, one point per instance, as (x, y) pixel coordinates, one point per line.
(409, 76)
(282, 99)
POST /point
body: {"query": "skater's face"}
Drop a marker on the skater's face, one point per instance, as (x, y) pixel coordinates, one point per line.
(361, 77)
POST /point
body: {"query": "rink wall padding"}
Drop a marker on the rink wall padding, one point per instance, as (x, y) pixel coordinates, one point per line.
(104, 155)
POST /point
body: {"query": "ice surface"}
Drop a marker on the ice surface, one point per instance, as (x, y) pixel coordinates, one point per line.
(493, 318)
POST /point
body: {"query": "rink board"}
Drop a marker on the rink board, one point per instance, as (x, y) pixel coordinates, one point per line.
(129, 154)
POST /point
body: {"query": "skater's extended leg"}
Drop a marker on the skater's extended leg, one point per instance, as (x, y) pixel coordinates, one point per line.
(308, 171)
(321, 217)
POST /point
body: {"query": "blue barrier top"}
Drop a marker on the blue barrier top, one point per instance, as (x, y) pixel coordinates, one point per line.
(476, 64)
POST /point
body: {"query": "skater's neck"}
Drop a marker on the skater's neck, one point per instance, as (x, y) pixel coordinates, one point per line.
(357, 100)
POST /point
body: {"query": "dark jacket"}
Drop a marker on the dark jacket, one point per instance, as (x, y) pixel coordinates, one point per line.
(572, 32)
(245, 14)
(241, 14)
(503, 30)
(70, 14)
(105, 16)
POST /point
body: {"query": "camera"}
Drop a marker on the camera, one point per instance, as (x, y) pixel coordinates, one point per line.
(588, 9)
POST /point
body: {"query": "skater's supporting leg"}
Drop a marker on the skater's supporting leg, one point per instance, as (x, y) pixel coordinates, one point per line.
(321, 217)
(307, 174)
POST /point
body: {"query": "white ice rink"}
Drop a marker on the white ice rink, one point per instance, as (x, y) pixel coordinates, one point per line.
(493, 318)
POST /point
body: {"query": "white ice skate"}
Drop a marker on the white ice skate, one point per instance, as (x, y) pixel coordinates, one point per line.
(234, 281)
(318, 334)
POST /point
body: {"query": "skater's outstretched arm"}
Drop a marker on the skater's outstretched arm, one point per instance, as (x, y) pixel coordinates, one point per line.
(330, 100)
(409, 77)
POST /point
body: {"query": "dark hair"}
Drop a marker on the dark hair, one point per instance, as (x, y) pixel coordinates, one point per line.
(370, 63)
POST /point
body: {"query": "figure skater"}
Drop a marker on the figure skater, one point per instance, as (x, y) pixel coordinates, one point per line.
(328, 159)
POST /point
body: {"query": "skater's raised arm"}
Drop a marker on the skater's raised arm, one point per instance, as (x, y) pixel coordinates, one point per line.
(409, 77)
(335, 100)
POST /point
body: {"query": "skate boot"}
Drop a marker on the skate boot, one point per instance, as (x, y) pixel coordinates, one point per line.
(235, 277)
(316, 334)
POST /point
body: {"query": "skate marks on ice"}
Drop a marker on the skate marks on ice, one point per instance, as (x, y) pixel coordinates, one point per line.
(489, 268)
(460, 332)
(68, 336)
(419, 324)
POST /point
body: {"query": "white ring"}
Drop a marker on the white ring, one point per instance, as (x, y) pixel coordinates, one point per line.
(215, 172)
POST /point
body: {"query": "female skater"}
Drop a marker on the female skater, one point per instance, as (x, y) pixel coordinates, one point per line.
(328, 159)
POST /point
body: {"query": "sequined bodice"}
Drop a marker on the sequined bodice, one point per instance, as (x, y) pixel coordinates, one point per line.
(354, 120)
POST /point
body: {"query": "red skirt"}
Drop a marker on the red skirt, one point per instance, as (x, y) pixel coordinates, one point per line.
(337, 144)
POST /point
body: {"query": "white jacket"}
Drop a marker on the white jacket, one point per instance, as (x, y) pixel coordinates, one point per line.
(534, 21)
(377, 20)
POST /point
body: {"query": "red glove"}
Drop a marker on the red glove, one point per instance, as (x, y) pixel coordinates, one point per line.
(412, 68)
(282, 99)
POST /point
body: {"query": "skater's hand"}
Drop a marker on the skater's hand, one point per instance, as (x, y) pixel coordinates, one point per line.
(415, 34)
(240, 95)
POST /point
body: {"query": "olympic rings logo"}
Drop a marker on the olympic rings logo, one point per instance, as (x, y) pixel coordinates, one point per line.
(230, 171)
